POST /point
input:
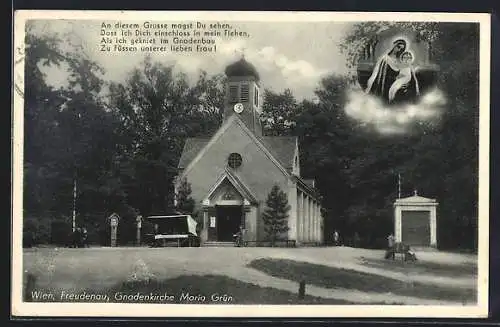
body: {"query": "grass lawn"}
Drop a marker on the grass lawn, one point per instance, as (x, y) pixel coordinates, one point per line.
(330, 277)
(422, 267)
(201, 288)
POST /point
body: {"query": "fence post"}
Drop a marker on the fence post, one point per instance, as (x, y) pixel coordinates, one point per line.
(302, 289)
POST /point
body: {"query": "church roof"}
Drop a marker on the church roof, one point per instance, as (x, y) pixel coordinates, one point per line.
(192, 146)
(242, 68)
(307, 187)
(237, 183)
(282, 147)
(309, 182)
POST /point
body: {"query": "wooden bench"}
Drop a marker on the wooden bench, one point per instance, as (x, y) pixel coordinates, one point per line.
(162, 240)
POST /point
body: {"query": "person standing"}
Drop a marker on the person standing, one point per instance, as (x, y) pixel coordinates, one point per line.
(85, 240)
(356, 240)
(390, 247)
(336, 238)
(76, 238)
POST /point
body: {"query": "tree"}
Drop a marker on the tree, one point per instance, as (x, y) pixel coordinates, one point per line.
(275, 216)
(434, 158)
(41, 107)
(326, 136)
(123, 150)
(158, 109)
(69, 135)
(279, 112)
(185, 203)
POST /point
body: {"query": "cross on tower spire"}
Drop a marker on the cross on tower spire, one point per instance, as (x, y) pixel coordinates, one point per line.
(241, 52)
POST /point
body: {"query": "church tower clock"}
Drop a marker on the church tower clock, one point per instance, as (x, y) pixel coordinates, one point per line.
(243, 96)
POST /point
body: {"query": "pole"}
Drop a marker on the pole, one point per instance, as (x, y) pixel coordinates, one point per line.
(74, 205)
(399, 186)
(302, 289)
(138, 234)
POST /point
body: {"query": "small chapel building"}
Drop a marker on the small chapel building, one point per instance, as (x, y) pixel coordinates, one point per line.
(232, 171)
(415, 221)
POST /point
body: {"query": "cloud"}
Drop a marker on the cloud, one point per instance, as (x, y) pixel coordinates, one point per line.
(299, 67)
(231, 48)
(278, 71)
(370, 111)
(289, 68)
(269, 59)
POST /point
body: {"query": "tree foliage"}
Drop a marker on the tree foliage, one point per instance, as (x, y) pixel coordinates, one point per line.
(357, 169)
(279, 111)
(436, 158)
(158, 109)
(123, 149)
(185, 203)
(275, 215)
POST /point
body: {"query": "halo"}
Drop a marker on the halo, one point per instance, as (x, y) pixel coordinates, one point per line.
(401, 37)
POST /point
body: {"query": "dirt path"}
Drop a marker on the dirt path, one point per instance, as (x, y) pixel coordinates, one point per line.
(236, 268)
(357, 265)
(253, 276)
(103, 267)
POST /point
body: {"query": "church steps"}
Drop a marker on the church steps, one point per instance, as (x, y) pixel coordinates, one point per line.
(218, 244)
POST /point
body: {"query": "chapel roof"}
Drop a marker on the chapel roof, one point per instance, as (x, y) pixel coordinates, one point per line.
(242, 68)
(415, 200)
(282, 147)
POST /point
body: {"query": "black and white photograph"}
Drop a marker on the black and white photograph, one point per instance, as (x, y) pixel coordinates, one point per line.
(294, 164)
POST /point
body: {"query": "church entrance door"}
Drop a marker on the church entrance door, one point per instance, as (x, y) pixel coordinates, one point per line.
(228, 222)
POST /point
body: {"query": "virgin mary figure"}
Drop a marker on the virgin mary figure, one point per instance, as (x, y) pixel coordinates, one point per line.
(386, 71)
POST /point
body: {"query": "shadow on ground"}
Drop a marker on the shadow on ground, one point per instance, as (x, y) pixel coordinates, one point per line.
(422, 267)
(330, 277)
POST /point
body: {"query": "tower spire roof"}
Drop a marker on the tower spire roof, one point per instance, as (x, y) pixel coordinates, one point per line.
(242, 68)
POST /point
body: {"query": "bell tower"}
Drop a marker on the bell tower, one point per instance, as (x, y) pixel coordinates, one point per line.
(243, 95)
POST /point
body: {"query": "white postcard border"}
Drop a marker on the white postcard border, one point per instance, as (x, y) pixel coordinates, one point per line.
(20, 308)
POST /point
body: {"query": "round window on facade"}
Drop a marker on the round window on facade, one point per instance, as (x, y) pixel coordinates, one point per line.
(234, 160)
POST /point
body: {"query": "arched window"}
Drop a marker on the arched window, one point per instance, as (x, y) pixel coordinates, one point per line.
(234, 160)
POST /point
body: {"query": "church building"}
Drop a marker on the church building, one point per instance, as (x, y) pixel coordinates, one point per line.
(232, 172)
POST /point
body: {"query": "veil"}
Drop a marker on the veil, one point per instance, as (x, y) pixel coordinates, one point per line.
(380, 61)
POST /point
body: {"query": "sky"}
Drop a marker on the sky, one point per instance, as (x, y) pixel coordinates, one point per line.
(294, 55)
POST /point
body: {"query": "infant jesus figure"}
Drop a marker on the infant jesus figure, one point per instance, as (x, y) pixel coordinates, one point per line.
(405, 88)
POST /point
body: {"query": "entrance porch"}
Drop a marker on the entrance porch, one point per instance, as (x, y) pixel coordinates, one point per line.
(226, 223)
(228, 207)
